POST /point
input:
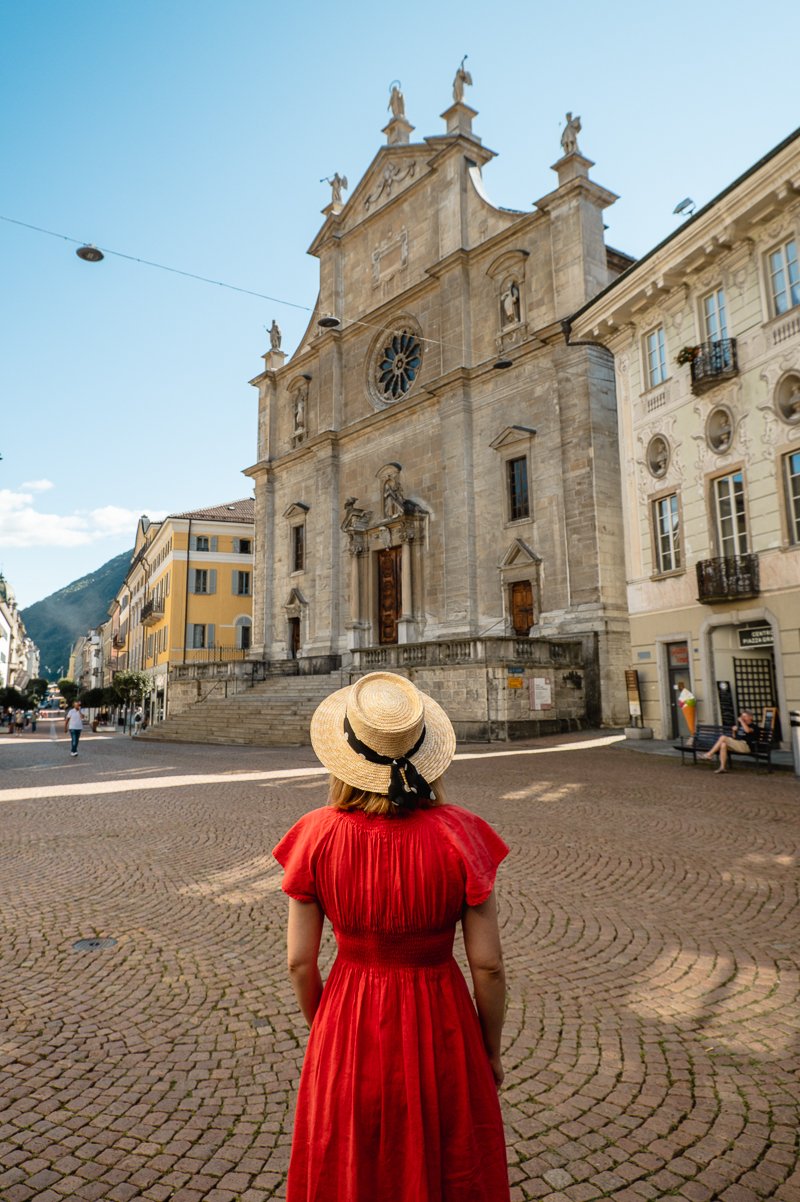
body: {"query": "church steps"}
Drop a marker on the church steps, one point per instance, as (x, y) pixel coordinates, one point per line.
(275, 712)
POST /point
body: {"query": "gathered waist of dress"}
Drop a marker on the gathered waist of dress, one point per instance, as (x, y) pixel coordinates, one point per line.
(401, 949)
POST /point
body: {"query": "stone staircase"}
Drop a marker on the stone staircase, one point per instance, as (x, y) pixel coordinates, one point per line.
(275, 713)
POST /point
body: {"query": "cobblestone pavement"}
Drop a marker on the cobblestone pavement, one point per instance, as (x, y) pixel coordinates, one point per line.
(650, 922)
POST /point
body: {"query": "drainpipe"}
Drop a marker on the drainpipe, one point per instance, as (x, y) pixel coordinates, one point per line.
(186, 592)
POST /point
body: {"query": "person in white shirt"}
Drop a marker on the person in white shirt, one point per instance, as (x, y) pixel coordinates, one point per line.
(74, 724)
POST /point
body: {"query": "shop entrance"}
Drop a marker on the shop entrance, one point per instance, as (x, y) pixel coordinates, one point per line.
(678, 668)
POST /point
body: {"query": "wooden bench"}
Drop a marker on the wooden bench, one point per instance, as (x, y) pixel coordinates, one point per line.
(706, 736)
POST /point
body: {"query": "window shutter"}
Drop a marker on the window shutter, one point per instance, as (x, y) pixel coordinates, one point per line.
(210, 635)
(192, 580)
(238, 636)
(213, 542)
(166, 638)
(212, 580)
(236, 546)
(235, 581)
(167, 592)
(190, 634)
(193, 542)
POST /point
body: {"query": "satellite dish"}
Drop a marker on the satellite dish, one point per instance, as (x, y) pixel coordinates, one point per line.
(685, 208)
(90, 253)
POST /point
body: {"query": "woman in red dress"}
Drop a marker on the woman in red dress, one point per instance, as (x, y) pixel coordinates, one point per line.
(398, 1095)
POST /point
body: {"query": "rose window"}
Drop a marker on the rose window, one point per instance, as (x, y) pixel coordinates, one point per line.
(398, 365)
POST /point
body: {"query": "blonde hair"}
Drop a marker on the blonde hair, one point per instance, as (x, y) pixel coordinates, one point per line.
(342, 796)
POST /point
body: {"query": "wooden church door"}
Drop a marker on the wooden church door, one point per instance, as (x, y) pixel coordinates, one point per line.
(522, 607)
(389, 594)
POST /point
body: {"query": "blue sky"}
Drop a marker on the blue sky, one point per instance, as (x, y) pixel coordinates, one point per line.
(195, 135)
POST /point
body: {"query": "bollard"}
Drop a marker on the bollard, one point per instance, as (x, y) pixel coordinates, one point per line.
(794, 722)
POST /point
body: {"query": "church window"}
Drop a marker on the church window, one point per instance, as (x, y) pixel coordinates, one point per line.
(518, 502)
(399, 364)
(298, 548)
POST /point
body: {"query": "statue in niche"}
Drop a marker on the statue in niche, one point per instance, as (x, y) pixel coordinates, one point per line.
(394, 505)
(275, 336)
(569, 138)
(509, 302)
(337, 183)
(397, 102)
(462, 78)
(299, 432)
(793, 403)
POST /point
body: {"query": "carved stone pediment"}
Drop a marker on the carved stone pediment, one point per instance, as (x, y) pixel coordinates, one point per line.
(510, 435)
(296, 510)
(294, 604)
(510, 261)
(518, 555)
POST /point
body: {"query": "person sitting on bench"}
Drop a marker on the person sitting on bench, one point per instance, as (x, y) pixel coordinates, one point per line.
(745, 737)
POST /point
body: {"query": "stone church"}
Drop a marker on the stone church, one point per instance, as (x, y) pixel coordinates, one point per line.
(437, 482)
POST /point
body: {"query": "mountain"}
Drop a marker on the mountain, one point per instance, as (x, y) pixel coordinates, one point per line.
(59, 620)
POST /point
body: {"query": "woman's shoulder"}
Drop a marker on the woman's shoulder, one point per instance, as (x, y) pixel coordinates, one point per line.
(477, 845)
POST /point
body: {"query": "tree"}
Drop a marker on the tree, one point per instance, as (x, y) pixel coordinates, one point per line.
(93, 697)
(39, 686)
(132, 686)
(68, 690)
(12, 697)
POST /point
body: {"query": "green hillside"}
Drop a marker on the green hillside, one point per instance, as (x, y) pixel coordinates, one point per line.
(59, 620)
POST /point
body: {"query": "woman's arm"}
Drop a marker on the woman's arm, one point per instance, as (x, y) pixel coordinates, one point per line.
(303, 940)
(485, 956)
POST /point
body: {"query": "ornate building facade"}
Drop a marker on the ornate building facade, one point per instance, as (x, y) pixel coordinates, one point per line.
(705, 330)
(437, 481)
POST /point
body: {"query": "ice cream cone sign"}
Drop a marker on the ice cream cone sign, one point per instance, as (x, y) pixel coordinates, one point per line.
(687, 703)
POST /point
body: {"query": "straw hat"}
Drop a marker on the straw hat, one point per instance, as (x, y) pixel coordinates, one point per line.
(388, 714)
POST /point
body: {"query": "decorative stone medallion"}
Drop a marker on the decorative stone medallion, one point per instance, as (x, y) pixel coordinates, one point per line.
(719, 429)
(394, 364)
(657, 456)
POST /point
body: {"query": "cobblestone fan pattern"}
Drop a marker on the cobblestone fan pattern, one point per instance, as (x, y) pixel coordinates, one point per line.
(650, 923)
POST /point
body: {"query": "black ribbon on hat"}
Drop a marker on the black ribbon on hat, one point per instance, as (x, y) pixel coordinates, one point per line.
(400, 790)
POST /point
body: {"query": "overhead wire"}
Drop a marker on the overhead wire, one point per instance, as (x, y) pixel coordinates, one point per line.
(276, 300)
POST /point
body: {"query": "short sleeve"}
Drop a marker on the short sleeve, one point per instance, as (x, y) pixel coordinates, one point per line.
(478, 846)
(298, 852)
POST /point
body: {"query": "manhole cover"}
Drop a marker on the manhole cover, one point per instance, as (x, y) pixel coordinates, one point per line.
(93, 945)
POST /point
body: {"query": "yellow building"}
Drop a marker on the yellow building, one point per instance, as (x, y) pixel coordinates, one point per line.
(189, 593)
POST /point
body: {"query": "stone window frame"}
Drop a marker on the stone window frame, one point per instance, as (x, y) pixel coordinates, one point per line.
(788, 235)
(296, 515)
(515, 442)
(789, 538)
(652, 500)
(398, 323)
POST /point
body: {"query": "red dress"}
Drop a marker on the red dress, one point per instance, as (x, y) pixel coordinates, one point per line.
(397, 1101)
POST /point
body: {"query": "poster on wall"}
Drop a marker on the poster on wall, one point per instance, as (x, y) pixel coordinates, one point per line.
(541, 693)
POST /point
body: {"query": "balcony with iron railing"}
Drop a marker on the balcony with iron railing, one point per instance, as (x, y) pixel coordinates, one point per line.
(729, 578)
(713, 363)
(152, 612)
(118, 640)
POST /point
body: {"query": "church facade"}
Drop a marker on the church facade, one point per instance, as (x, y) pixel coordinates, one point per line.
(437, 482)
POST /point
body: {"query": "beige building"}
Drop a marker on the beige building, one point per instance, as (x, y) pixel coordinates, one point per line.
(437, 479)
(705, 332)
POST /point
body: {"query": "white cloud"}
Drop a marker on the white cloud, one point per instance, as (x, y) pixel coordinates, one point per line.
(22, 525)
(37, 485)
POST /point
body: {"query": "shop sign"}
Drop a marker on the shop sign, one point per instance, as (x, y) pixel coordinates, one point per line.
(756, 636)
(678, 655)
(632, 687)
(515, 682)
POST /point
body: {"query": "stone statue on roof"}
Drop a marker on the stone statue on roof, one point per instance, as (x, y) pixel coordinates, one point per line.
(337, 183)
(569, 138)
(397, 102)
(275, 336)
(462, 77)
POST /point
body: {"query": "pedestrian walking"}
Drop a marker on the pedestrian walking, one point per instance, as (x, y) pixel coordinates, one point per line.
(74, 724)
(137, 720)
(398, 1094)
(19, 721)
(34, 719)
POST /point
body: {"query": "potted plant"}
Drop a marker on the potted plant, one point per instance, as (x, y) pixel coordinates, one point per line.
(687, 354)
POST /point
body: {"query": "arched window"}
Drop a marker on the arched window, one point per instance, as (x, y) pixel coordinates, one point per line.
(243, 629)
